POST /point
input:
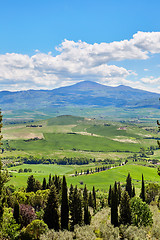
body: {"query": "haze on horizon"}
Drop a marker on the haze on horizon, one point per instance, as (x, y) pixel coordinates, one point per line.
(46, 45)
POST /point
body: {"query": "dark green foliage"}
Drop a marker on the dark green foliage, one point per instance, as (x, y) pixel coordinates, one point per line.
(49, 181)
(125, 209)
(87, 215)
(119, 190)
(38, 186)
(85, 195)
(30, 184)
(64, 206)
(129, 185)
(109, 196)
(141, 213)
(90, 200)
(142, 194)
(51, 212)
(76, 208)
(114, 206)
(44, 185)
(94, 197)
(133, 192)
(16, 212)
(71, 191)
(152, 190)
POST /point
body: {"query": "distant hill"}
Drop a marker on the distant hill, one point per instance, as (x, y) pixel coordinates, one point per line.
(84, 93)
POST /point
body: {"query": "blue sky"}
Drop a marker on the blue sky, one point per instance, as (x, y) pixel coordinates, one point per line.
(48, 44)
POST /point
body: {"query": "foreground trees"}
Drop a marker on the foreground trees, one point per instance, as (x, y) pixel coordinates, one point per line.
(64, 206)
(51, 212)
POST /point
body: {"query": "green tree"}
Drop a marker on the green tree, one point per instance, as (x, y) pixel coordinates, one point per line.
(71, 191)
(51, 212)
(85, 195)
(125, 209)
(16, 212)
(90, 200)
(94, 197)
(114, 206)
(38, 186)
(142, 194)
(44, 184)
(87, 215)
(76, 208)
(36, 228)
(64, 206)
(9, 228)
(133, 192)
(109, 196)
(129, 185)
(30, 184)
(152, 190)
(119, 190)
(141, 213)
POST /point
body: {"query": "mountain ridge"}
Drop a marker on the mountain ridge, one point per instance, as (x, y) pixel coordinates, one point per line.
(84, 93)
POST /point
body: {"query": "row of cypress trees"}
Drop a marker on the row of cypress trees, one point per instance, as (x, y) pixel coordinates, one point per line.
(74, 203)
(122, 199)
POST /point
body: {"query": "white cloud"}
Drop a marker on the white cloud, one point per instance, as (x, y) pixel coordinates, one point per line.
(150, 80)
(77, 61)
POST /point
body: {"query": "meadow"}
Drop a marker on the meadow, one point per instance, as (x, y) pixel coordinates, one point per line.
(78, 137)
(101, 180)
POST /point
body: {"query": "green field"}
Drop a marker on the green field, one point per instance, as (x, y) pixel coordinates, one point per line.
(101, 180)
(77, 137)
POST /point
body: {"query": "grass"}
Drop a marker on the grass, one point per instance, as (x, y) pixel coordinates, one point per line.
(101, 180)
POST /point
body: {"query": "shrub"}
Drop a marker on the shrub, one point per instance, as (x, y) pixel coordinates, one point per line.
(36, 228)
(141, 214)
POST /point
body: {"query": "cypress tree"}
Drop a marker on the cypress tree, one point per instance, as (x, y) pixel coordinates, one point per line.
(142, 194)
(64, 206)
(87, 215)
(51, 212)
(30, 184)
(38, 186)
(125, 209)
(85, 195)
(71, 191)
(49, 181)
(109, 196)
(16, 212)
(119, 190)
(133, 191)
(90, 200)
(76, 209)
(129, 185)
(44, 184)
(94, 198)
(114, 206)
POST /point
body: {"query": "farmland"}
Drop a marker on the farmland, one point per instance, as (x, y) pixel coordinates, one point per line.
(78, 137)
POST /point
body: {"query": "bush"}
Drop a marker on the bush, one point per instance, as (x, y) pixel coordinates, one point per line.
(133, 232)
(141, 214)
(62, 235)
(36, 228)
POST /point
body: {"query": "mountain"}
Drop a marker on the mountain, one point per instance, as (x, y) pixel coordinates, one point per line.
(84, 93)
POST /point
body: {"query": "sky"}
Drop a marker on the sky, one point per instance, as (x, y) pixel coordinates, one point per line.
(49, 44)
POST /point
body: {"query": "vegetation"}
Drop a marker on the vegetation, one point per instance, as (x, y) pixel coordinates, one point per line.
(86, 210)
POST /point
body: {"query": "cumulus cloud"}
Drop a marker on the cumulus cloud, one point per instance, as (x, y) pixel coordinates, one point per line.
(76, 61)
(150, 80)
